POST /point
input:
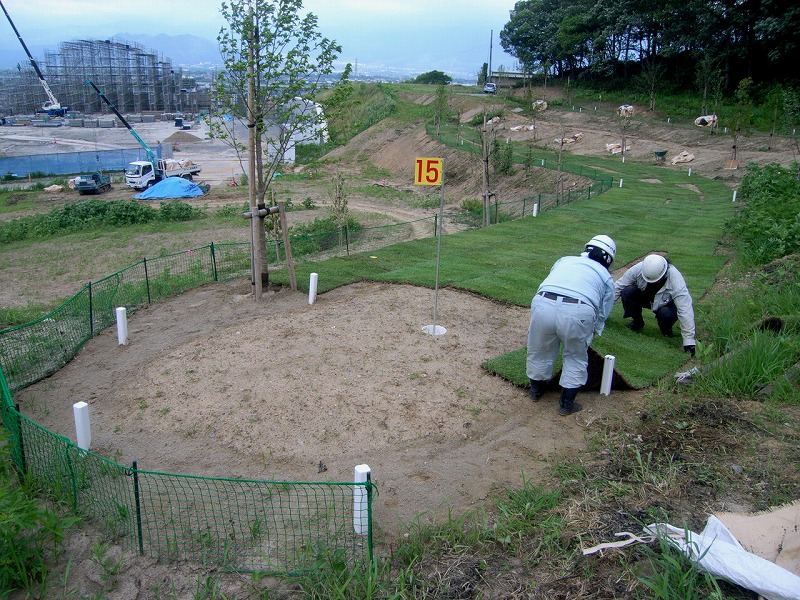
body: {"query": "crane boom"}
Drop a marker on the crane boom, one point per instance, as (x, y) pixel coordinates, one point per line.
(151, 156)
(53, 105)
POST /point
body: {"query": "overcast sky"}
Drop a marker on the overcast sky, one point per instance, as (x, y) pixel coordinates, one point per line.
(418, 34)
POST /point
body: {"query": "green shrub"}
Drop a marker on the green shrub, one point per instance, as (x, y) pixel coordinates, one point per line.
(472, 205)
(92, 214)
(767, 225)
(232, 212)
(179, 211)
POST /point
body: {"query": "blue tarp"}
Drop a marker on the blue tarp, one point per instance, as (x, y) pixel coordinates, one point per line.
(171, 187)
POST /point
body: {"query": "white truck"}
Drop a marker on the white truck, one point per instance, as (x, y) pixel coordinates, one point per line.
(141, 174)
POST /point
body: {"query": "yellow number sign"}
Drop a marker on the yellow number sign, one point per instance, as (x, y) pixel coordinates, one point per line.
(428, 171)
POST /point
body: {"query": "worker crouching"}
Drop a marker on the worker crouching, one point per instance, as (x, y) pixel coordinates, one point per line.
(657, 285)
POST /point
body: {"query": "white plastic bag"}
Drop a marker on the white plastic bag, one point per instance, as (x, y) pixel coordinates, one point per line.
(718, 552)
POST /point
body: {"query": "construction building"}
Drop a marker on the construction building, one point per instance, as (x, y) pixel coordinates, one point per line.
(134, 79)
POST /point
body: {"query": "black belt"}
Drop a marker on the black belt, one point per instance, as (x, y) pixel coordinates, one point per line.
(562, 297)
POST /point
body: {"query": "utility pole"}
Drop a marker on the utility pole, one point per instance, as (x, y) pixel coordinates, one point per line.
(486, 193)
(491, 36)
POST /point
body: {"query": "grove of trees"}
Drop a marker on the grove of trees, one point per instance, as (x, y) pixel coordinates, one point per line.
(612, 40)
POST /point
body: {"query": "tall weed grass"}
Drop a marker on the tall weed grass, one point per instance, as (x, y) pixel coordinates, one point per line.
(30, 532)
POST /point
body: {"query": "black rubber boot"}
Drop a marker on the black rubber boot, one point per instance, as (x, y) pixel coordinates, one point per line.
(567, 405)
(636, 324)
(537, 390)
(666, 331)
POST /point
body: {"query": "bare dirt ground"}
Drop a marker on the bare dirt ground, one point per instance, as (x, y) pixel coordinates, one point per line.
(213, 384)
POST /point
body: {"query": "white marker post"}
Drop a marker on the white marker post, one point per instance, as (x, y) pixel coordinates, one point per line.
(312, 288)
(360, 501)
(83, 430)
(430, 171)
(536, 209)
(608, 375)
(122, 326)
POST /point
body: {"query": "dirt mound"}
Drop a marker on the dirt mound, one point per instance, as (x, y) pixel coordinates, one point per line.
(394, 150)
(182, 137)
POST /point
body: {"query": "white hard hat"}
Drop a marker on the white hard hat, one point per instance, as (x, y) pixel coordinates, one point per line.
(604, 243)
(654, 266)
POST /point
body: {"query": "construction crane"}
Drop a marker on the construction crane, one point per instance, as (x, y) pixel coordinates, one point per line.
(52, 106)
(141, 174)
(151, 156)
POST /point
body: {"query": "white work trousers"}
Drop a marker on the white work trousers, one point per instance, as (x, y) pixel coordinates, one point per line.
(554, 324)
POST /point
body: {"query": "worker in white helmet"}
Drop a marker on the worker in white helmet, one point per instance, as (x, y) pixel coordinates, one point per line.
(657, 285)
(570, 306)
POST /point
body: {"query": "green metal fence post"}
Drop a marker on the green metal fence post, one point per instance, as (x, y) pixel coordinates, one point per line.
(91, 312)
(23, 466)
(347, 239)
(435, 225)
(147, 280)
(73, 478)
(214, 262)
(135, 473)
(368, 486)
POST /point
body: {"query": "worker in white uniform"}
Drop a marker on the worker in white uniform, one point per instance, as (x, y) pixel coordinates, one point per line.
(657, 285)
(570, 306)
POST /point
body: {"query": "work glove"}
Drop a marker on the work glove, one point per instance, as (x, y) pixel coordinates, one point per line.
(689, 349)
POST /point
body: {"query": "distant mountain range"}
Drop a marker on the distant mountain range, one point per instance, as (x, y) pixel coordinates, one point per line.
(184, 50)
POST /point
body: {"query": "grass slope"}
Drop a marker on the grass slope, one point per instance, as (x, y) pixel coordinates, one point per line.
(655, 209)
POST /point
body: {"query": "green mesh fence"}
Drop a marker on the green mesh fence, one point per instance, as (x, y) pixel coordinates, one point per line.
(278, 527)
(469, 139)
(344, 242)
(249, 525)
(35, 350)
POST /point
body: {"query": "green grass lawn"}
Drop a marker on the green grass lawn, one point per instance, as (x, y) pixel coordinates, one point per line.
(670, 212)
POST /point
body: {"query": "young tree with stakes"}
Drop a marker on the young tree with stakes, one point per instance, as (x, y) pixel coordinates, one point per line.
(274, 61)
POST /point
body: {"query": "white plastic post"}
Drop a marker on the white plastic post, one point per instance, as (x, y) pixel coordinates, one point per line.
(620, 182)
(690, 172)
(734, 195)
(536, 209)
(312, 288)
(608, 374)
(83, 431)
(122, 326)
(360, 505)
(623, 157)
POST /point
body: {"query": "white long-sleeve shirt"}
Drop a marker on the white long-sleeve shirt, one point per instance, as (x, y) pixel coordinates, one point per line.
(673, 289)
(585, 279)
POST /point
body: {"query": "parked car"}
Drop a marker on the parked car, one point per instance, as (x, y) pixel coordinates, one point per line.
(490, 88)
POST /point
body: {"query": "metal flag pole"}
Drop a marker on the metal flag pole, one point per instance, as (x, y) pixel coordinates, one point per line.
(435, 329)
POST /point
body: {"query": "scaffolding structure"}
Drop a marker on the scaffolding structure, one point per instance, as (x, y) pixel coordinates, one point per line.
(134, 79)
